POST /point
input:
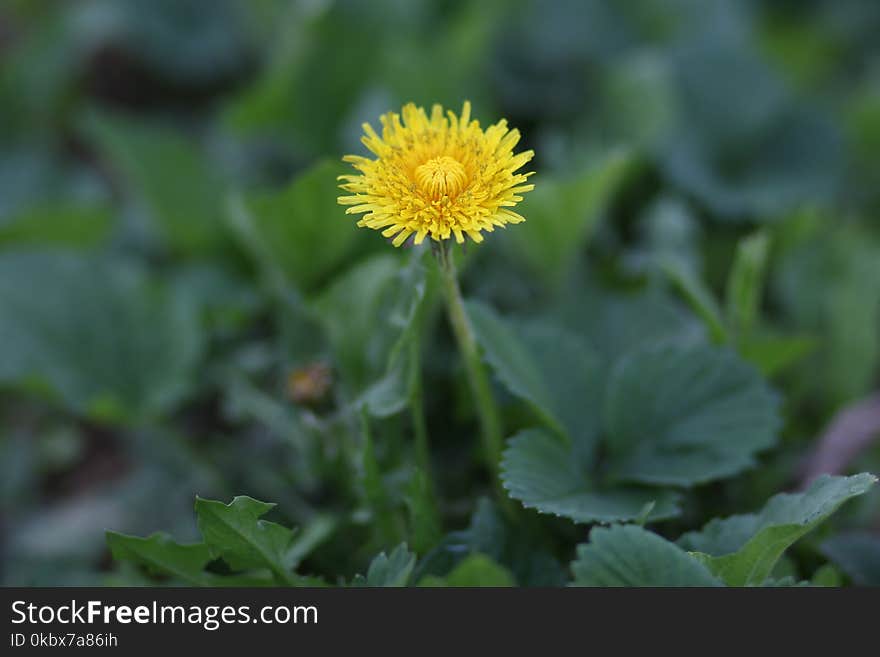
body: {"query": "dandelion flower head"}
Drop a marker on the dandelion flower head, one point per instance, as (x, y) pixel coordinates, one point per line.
(437, 176)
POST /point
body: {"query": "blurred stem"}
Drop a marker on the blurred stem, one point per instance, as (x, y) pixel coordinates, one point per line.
(417, 407)
(490, 421)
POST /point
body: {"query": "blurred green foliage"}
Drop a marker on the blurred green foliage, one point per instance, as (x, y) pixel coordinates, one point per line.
(185, 310)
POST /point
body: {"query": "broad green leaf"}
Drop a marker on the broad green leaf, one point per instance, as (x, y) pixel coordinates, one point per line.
(828, 287)
(160, 555)
(300, 230)
(170, 174)
(549, 368)
(743, 145)
(287, 102)
(615, 324)
(561, 214)
(540, 471)
(746, 283)
(686, 414)
(857, 554)
(627, 555)
(743, 550)
(64, 223)
(638, 98)
(235, 532)
(389, 571)
(475, 570)
(105, 338)
(351, 312)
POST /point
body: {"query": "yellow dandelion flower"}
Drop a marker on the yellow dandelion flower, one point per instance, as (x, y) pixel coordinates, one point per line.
(439, 175)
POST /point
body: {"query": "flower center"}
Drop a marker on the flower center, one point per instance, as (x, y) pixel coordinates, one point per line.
(441, 176)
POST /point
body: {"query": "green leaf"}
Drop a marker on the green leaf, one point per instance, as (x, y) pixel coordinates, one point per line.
(561, 215)
(375, 492)
(616, 324)
(513, 546)
(540, 471)
(627, 555)
(857, 554)
(300, 230)
(743, 549)
(108, 340)
(772, 353)
(318, 530)
(170, 174)
(746, 282)
(475, 570)
(699, 297)
(63, 223)
(287, 102)
(828, 288)
(389, 571)
(425, 528)
(400, 385)
(686, 414)
(160, 555)
(351, 312)
(548, 367)
(234, 532)
(827, 575)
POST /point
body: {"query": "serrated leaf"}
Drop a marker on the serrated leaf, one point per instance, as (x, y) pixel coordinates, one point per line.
(627, 555)
(743, 550)
(160, 555)
(540, 471)
(108, 340)
(235, 532)
(550, 368)
(475, 570)
(389, 571)
(686, 414)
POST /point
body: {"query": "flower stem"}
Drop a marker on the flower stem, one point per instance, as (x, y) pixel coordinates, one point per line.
(490, 421)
